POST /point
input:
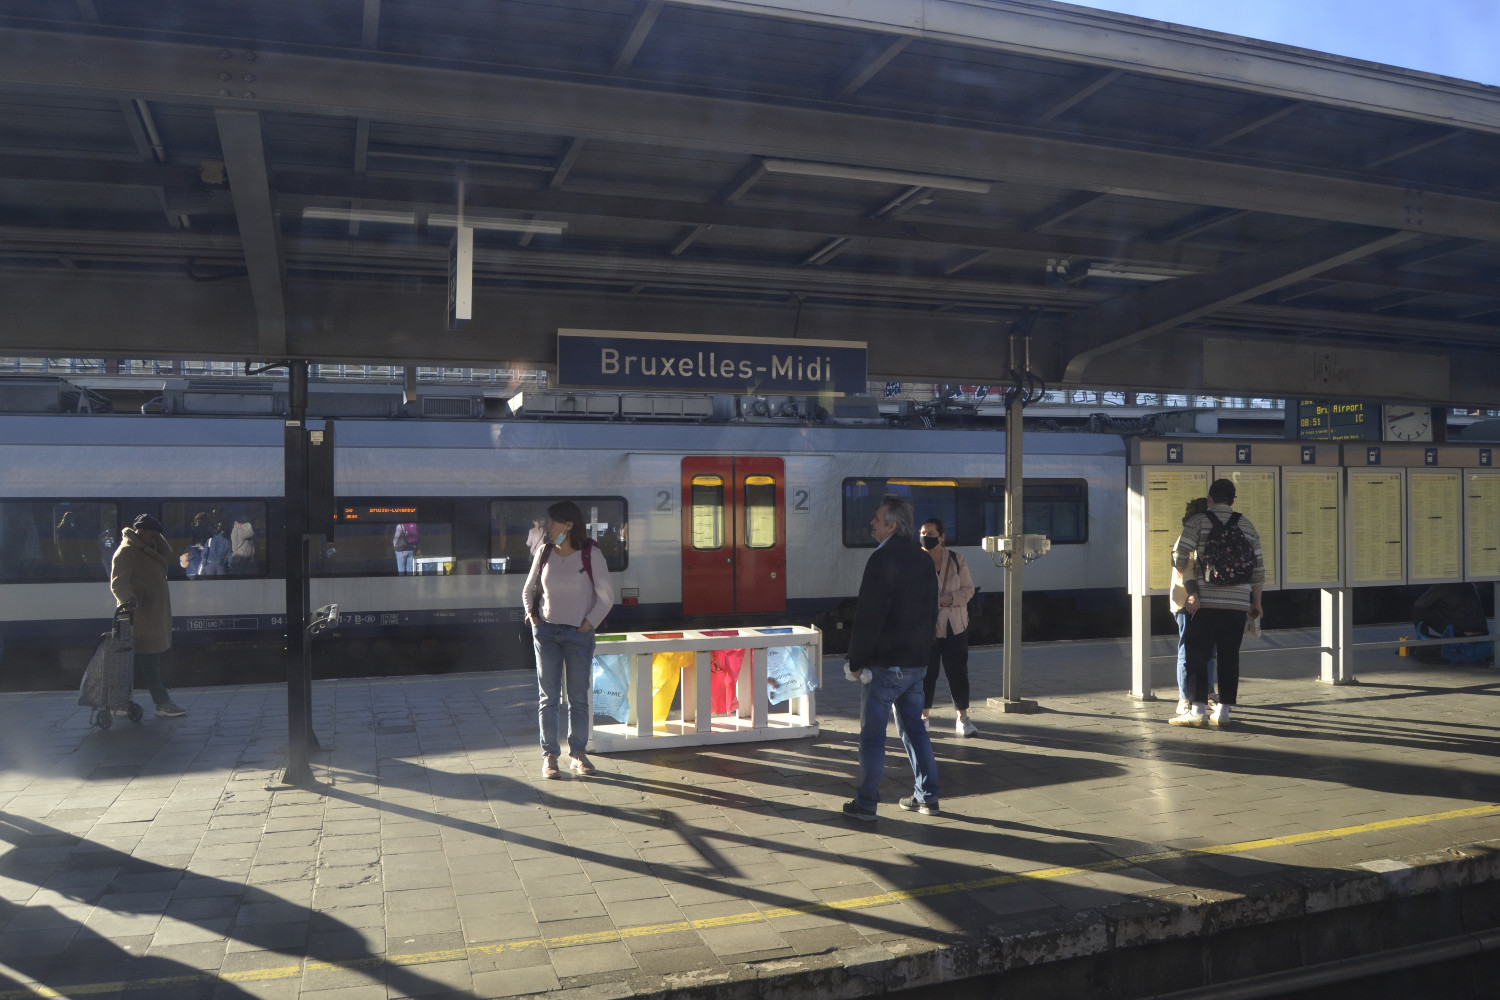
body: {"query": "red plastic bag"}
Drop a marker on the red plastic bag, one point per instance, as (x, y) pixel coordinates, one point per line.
(725, 670)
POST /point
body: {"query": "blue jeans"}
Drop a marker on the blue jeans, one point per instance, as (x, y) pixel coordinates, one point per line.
(406, 562)
(563, 652)
(900, 687)
(1182, 684)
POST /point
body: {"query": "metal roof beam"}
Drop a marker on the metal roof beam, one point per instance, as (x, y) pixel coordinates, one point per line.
(1257, 118)
(1122, 321)
(644, 21)
(306, 84)
(1091, 85)
(864, 72)
(245, 163)
(1067, 207)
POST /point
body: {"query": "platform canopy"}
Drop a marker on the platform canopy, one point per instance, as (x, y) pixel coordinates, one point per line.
(1159, 207)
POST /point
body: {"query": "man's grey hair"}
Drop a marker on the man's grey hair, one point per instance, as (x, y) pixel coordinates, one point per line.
(897, 510)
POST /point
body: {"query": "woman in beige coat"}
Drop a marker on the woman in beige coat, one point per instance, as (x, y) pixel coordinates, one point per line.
(950, 647)
(138, 575)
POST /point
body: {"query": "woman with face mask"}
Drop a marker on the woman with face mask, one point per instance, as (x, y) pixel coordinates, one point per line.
(567, 595)
(950, 646)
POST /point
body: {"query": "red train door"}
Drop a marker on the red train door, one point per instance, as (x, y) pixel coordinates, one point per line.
(733, 536)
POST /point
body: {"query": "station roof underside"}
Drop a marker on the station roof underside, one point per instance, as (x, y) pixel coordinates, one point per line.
(1157, 207)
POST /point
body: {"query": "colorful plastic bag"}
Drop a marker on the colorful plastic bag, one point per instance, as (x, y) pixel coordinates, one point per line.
(724, 695)
(789, 673)
(612, 686)
(666, 670)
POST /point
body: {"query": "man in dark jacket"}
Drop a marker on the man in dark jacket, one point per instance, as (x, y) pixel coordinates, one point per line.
(894, 622)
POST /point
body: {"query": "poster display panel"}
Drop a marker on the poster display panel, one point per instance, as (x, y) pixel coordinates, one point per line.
(1310, 516)
(1482, 525)
(1434, 535)
(1168, 489)
(1375, 544)
(1255, 494)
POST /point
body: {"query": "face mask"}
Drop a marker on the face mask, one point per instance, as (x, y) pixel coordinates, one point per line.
(562, 536)
(929, 541)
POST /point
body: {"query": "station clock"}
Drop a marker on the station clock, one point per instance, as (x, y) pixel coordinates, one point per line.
(1404, 422)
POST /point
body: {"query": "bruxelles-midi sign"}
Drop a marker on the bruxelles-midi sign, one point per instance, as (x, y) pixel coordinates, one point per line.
(605, 359)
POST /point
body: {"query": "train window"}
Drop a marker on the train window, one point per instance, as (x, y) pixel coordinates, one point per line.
(57, 539)
(760, 512)
(389, 537)
(958, 503)
(1057, 508)
(215, 537)
(707, 512)
(518, 525)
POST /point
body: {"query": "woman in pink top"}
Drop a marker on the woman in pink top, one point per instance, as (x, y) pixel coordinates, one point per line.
(567, 595)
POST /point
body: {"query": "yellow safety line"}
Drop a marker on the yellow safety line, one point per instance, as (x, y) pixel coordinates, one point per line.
(754, 916)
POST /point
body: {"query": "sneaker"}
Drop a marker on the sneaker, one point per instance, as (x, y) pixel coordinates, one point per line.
(1219, 716)
(1183, 705)
(964, 727)
(1194, 716)
(549, 765)
(169, 710)
(580, 764)
(910, 804)
(854, 811)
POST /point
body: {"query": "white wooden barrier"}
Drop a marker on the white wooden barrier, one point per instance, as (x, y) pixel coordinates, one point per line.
(694, 724)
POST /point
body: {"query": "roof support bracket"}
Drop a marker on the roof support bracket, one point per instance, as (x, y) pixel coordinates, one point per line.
(249, 185)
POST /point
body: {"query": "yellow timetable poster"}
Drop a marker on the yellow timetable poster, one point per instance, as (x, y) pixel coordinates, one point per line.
(1483, 515)
(1435, 513)
(1167, 492)
(1310, 504)
(1375, 527)
(1255, 498)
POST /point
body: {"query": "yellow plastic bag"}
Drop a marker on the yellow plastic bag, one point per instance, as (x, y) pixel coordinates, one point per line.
(666, 670)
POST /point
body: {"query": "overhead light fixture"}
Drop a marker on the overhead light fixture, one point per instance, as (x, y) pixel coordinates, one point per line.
(1135, 273)
(838, 171)
(359, 215)
(503, 225)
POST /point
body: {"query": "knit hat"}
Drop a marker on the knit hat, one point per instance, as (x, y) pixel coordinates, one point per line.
(146, 523)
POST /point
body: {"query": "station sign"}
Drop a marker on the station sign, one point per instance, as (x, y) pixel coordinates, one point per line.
(1321, 420)
(607, 359)
(378, 513)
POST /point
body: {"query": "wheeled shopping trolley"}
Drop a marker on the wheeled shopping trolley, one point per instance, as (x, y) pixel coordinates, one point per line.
(110, 676)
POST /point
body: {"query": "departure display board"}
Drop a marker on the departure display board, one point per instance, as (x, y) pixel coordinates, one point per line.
(380, 513)
(1167, 492)
(1318, 420)
(1482, 524)
(1255, 498)
(1375, 545)
(1310, 508)
(1434, 541)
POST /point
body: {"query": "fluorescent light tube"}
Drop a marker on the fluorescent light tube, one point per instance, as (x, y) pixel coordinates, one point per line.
(803, 168)
(504, 225)
(359, 215)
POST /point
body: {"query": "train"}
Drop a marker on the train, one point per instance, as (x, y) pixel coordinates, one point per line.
(700, 524)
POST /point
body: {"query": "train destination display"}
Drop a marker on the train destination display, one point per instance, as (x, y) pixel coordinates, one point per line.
(1310, 500)
(1436, 518)
(1482, 517)
(1167, 494)
(1375, 543)
(1255, 498)
(1320, 420)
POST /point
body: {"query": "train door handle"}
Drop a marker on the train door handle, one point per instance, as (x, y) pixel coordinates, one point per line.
(729, 559)
(773, 576)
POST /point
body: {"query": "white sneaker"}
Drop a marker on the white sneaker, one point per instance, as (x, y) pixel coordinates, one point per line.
(1194, 716)
(1182, 705)
(1219, 716)
(964, 727)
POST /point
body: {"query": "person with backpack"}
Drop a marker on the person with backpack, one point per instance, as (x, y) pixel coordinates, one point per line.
(1223, 587)
(950, 647)
(567, 594)
(404, 541)
(1177, 601)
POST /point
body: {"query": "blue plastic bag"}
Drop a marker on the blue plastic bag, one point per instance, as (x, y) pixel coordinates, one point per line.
(789, 673)
(612, 686)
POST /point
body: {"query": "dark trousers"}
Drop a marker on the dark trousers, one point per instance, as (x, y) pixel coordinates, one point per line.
(148, 676)
(1207, 630)
(952, 652)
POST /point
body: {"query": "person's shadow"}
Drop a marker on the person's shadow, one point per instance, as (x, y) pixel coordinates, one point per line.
(127, 884)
